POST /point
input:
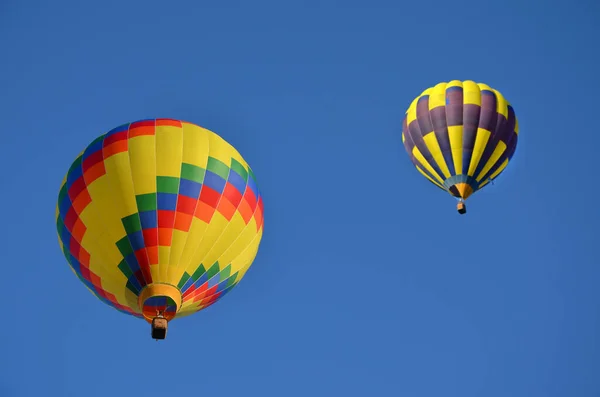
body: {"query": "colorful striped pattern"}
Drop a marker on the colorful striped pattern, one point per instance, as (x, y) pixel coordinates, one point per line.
(460, 135)
(159, 202)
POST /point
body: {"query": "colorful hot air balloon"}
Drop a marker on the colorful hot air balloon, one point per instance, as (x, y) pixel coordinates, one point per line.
(159, 219)
(460, 136)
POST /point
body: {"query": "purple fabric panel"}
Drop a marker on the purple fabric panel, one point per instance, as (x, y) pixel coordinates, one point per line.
(470, 124)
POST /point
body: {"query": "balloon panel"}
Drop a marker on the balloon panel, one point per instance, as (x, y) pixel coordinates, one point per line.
(162, 202)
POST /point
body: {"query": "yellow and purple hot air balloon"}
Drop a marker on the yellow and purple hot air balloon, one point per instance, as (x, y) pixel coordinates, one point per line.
(460, 136)
(159, 219)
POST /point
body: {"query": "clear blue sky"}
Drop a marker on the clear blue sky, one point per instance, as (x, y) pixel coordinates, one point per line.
(367, 283)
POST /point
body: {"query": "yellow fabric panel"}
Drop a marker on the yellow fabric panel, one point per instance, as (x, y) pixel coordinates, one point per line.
(471, 93)
(155, 269)
(454, 83)
(500, 148)
(419, 156)
(437, 97)
(411, 113)
(118, 173)
(500, 169)
(142, 153)
(104, 257)
(178, 243)
(187, 260)
(501, 104)
(481, 140)
(107, 208)
(188, 307)
(244, 260)
(427, 176)
(482, 184)
(210, 236)
(434, 148)
(169, 143)
(218, 150)
(195, 145)
(234, 253)
(483, 87)
(231, 238)
(106, 229)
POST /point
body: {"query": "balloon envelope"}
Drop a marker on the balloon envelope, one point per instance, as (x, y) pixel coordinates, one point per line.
(159, 216)
(460, 135)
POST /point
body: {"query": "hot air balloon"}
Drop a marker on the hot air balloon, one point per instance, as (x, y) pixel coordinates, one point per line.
(460, 136)
(159, 219)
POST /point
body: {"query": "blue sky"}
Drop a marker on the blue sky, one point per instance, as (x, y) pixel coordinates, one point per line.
(367, 283)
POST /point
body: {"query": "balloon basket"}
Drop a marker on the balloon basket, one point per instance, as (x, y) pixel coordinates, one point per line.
(461, 207)
(159, 328)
